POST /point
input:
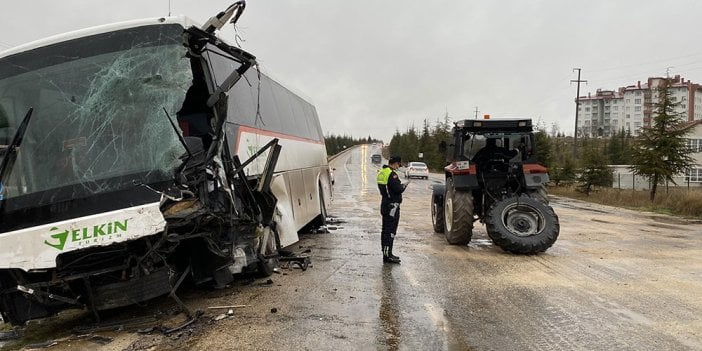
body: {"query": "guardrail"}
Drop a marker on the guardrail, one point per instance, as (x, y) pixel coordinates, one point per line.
(332, 157)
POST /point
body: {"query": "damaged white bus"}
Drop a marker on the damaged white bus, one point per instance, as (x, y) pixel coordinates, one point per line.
(140, 154)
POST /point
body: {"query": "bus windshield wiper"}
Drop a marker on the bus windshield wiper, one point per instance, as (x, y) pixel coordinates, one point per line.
(7, 159)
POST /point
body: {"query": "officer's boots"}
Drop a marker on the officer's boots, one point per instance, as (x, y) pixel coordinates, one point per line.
(387, 255)
(391, 254)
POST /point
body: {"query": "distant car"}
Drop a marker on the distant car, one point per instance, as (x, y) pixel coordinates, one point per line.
(417, 169)
(376, 159)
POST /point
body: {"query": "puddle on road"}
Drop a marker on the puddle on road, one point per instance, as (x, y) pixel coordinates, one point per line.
(668, 226)
(480, 244)
(437, 317)
(576, 207)
(388, 313)
(675, 220)
(335, 220)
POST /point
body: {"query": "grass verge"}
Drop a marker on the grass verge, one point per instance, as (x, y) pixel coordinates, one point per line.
(682, 202)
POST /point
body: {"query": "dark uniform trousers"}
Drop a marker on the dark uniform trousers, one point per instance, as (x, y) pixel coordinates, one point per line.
(390, 212)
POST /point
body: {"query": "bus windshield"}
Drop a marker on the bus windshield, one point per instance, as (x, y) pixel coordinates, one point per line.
(99, 123)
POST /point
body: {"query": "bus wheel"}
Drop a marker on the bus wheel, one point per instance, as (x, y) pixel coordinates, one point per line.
(321, 219)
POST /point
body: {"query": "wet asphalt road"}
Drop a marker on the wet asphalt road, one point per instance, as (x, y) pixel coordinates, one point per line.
(615, 280)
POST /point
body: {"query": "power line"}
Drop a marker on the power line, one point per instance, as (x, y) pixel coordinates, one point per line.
(644, 63)
(682, 67)
(647, 73)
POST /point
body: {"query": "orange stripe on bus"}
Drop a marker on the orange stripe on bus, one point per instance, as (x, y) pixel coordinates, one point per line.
(245, 129)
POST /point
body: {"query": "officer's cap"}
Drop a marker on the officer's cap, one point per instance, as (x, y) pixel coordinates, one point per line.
(394, 159)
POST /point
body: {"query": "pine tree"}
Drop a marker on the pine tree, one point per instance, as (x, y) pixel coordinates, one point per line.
(427, 145)
(595, 171)
(543, 147)
(564, 171)
(442, 132)
(661, 151)
(618, 148)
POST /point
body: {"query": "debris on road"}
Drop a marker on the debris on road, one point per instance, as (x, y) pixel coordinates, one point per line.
(135, 323)
(302, 262)
(146, 330)
(42, 345)
(226, 307)
(9, 335)
(220, 317)
(190, 321)
(335, 220)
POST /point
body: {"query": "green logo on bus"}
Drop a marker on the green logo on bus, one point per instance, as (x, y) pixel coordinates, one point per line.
(85, 235)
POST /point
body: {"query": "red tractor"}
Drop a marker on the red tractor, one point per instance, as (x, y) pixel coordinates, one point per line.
(493, 177)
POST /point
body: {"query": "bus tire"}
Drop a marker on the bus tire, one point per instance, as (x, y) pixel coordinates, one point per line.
(321, 219)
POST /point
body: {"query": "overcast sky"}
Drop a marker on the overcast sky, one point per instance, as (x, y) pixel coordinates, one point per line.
(372, 67)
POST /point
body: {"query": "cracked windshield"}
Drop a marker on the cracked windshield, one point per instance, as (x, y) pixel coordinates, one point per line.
(99, 122)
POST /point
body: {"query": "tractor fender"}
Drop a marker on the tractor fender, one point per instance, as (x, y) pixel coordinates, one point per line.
(465, 182)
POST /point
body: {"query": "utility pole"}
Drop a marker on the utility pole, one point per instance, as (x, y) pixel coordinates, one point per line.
(476, 112)
(577, 105)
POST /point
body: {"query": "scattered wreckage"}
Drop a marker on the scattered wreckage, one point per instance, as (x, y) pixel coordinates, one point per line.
(116, 185)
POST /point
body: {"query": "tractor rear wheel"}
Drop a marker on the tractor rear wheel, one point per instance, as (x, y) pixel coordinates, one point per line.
(522, 225)
(458, 215)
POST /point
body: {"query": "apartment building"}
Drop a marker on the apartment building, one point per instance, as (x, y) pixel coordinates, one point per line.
(624, 178)
(694, 141)
(630, 108)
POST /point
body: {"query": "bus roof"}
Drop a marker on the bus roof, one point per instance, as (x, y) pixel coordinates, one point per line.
(182, 20)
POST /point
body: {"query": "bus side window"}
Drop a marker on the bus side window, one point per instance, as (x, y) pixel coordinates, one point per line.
(4, 127)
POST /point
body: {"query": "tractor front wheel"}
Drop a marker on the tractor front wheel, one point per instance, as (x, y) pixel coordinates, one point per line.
(458, 215)
(437, 208)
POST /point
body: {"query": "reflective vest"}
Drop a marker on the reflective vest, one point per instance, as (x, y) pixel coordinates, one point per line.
(384, 175)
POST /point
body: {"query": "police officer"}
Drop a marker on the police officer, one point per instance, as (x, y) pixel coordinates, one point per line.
(391, 189)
